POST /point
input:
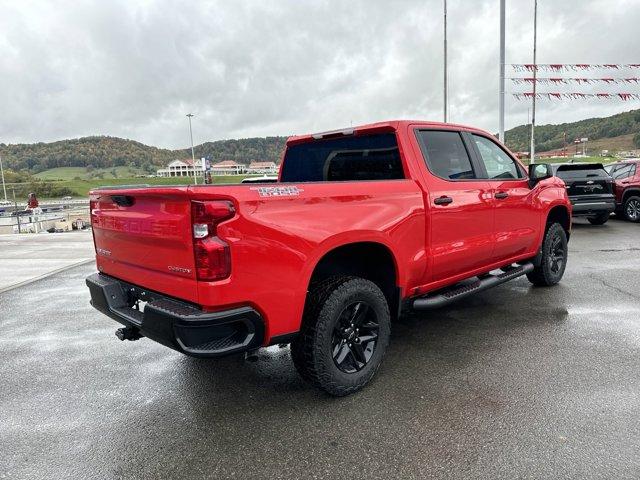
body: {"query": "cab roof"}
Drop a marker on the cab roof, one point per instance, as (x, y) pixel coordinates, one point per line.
(386, 126)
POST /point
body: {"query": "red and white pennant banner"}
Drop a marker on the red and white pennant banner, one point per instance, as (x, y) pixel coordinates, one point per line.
(576, 96)
(579, 81)
(559, 67)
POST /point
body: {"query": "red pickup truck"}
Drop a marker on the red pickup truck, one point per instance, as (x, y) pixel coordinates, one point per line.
(361, 224)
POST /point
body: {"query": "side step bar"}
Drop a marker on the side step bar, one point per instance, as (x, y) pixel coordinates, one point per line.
(444, 297)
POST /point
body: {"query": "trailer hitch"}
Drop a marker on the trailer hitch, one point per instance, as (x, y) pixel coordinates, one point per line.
(128, 333)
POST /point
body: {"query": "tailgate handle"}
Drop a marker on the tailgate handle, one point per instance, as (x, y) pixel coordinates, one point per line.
(122, 200)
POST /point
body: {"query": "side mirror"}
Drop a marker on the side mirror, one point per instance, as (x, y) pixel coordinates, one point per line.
(539, 171)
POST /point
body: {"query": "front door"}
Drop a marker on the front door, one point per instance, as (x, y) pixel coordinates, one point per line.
(459, 206)
(516, 219)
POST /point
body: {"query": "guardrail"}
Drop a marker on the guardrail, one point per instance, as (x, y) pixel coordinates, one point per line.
(75, 201)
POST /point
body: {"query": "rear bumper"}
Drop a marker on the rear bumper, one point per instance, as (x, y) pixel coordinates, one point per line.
(589, 205)
(177, 325)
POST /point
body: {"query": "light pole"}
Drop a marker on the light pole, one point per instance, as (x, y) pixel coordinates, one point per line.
(193, 157)
(445, 62)
(502, 60)
(532, 155)
(4, 187)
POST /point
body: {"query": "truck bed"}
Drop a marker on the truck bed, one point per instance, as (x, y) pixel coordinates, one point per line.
(143, 236)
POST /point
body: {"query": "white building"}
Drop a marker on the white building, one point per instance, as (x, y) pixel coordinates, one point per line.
(181, 168)
(263, 168)
(227, 167)
(185, 168)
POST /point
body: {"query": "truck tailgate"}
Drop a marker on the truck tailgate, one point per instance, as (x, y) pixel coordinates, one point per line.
(143, 236)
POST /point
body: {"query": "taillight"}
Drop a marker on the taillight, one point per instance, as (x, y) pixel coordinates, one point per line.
(212, 255)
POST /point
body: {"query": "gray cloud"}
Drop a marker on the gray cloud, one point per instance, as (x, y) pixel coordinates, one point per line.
(134, 68)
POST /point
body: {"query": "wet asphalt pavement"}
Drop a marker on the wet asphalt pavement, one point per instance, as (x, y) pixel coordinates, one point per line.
(515, 382)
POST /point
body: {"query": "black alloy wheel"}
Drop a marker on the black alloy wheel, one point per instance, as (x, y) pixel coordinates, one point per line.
(355, 337)
(553, 259)
(345, 331)
(557, 254)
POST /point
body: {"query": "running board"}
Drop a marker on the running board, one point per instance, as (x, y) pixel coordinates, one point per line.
(456, 293)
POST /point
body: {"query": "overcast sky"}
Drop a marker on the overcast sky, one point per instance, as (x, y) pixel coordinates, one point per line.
(134, 68)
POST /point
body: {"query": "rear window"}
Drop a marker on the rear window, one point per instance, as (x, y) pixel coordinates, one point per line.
(366, 157)
(581, 171)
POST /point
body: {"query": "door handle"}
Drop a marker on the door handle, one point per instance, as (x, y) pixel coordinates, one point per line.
(501, 195)
(443, 200)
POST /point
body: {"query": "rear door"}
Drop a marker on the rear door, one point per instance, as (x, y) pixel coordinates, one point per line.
(460, 220)
(516, 219)
(143, 236)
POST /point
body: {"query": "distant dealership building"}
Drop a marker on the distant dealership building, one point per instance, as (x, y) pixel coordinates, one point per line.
(185, 168)
(262, 168)
(227, 167)
(180, 168)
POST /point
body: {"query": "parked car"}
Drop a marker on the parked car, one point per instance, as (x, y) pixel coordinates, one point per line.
(626, 177)
(361, 224)
(590, 189)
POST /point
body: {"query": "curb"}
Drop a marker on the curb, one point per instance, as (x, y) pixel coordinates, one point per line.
(45, 275)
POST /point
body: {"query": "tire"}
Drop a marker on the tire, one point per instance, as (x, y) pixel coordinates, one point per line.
(554, 257)
(599, 219)
(631, 209)
(331, 352)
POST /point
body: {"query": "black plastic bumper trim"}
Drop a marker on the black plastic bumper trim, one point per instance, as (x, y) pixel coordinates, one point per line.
(592, 205)
(175, 324)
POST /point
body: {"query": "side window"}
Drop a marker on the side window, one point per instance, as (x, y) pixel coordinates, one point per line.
(498, 164)
(445, 154)
(624, 171)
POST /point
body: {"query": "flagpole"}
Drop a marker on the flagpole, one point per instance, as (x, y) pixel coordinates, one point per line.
(502, 59)
(532, 154)
(445, 62)
(445, 80)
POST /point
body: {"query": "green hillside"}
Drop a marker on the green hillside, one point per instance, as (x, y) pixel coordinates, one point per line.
(105, 153)
(244, 150)
(84, 173)
(550, 137)
(110, 157)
